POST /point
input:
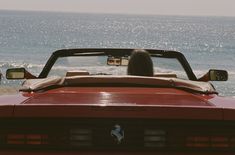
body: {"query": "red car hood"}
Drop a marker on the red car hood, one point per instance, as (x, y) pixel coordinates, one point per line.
(119, 102)
(118, 97)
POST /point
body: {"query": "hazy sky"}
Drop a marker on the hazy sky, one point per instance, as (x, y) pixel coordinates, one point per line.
(161, 7)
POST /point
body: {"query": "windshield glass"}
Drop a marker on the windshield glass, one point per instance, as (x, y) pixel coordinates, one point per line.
(97, 65)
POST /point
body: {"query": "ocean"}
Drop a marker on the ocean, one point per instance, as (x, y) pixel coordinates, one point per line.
(27, 39)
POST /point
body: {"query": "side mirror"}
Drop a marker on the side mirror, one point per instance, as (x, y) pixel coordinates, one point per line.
(15, 73)
(218, 75)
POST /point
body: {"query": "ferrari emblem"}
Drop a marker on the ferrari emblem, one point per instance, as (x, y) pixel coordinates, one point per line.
(117, 133)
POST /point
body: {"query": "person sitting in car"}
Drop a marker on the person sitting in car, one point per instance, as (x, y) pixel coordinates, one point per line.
(140, 63)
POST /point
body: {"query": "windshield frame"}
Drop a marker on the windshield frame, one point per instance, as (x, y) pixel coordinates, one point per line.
(115, 52)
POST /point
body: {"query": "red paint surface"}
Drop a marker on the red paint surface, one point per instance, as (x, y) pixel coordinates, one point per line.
(227, 104)
(7, 103)
(108, 153)
(118, 102)
(118, 96)
(88, 102)
(93, 102)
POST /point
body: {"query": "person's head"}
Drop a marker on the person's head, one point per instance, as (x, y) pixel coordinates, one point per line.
(140, 63)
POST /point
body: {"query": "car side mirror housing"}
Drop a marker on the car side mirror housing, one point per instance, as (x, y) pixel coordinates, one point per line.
(15, 73)
(218, 75)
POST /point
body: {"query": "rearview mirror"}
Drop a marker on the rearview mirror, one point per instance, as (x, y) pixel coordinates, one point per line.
(120, 61)
(218, 75)
(15, 73)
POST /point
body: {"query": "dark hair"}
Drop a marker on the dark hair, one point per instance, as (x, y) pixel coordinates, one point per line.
(140, 64)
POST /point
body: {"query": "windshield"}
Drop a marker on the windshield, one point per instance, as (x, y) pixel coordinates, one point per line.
(97, 65)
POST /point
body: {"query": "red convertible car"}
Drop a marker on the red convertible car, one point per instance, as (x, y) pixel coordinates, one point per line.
(83, 102)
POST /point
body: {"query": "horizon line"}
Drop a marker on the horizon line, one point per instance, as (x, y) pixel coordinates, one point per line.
(116, 13)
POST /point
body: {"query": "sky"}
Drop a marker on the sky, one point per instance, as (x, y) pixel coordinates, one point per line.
(153, 7)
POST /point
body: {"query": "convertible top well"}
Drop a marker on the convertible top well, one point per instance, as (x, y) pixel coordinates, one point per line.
(40, 84)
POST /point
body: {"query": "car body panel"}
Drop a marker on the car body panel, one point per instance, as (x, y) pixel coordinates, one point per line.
(118, 102)
(161, 112)
(145, 110)
(6, 110)
(13, 99)
(7, 103)
(109, 152)
(227, 104)
(118, 96)
(95, 102)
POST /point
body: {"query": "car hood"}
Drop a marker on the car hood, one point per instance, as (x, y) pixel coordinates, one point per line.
(118, 102)
(117, 97)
